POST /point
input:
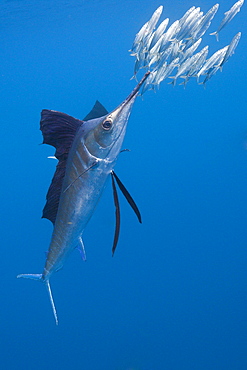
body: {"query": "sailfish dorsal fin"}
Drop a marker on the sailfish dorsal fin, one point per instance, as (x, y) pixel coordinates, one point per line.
(59, 129)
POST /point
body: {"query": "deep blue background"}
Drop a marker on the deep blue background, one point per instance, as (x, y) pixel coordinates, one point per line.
(175, 294)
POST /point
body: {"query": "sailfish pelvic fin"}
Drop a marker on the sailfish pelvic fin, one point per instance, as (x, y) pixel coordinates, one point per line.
(129, 199)
(117, 214)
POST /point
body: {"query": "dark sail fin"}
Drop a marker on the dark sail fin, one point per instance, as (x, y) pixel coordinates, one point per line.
(127, 195)
(117, 213)
(97, 111)
(54, 192)
(59, 130)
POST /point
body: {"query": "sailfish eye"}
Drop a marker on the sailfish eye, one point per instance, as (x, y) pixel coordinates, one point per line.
(107, 124)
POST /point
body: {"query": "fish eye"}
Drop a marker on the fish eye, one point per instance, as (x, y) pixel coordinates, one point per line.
(107, 124)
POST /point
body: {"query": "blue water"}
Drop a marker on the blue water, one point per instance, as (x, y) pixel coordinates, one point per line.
(174, 296)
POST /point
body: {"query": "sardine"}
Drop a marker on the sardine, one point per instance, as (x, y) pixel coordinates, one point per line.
(196, 65)
(188, 24)
(169, 35)
(231, 48)
(229, 15)
(212, 61)
(187, 53)
(165, 72)
(205, 22)
(212, 71)
(157, 34)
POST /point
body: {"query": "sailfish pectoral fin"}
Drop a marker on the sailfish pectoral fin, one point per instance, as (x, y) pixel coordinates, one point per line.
(117, 213)
(47, 284)
(128, 197)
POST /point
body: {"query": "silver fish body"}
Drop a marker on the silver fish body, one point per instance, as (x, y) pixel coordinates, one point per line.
(160, 30)
(212, 71)
(229, 15)
(169, 35)
(186, 66)
(91, 159)
(165, 71)
(205, 22)
(187, 53)
(231, 48)
(198, 63)
(188, 24)
(212, 61)
(155, 18)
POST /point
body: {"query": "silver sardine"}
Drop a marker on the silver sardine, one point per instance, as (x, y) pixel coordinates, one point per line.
(229, 15)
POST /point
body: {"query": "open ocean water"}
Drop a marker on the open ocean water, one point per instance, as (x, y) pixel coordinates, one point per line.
(174, 297)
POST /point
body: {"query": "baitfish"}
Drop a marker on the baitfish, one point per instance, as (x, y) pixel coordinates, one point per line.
(187, 53)
(196, 66)
(87, 152)
(160, 30)
(231, 48)
(212, 61)
(228, 17)
(158, 48)
(188, 24)
(205, 22)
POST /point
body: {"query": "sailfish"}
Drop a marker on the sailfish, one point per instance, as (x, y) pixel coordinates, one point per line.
(87, 151)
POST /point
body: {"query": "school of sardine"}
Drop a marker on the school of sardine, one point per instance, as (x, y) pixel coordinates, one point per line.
(164, 49)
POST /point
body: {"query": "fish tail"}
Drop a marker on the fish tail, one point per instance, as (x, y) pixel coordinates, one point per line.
(216, 35)
(30, 276)
(47, 284)
(174, 80)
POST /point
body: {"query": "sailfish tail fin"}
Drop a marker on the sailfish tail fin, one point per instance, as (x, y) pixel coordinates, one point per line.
(47, 284)
(30, 276)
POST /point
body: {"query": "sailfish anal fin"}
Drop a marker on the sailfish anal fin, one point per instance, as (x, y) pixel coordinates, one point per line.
(59, 130)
